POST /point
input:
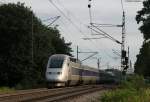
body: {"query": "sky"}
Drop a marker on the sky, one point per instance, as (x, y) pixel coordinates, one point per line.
(74, 21)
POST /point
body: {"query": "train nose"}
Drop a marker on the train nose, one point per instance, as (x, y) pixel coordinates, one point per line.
(54, 76)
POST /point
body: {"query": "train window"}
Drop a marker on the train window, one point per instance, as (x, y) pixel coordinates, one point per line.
(56, 62)
(90, 73)
(73, 60)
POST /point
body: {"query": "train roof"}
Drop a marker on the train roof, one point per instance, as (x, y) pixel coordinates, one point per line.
(61, 55)
(64, 55)
(85, 67)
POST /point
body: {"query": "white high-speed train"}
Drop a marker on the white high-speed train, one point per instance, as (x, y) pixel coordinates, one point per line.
(63, 70)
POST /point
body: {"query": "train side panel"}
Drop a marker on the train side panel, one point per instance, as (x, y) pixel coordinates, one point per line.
(63, 70)
(75, 73)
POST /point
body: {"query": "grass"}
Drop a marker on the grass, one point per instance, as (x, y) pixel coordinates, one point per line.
(6, 90)
(133, 89)
(126, 95)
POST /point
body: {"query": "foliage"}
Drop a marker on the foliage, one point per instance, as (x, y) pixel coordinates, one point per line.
(6, 90)
(142, 65)
(135, 82)
(18, 67)
(131, 90)
(143, 17)
(126, 95)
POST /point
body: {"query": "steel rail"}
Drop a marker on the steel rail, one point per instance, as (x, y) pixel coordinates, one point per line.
(21, 91)
(69, 94)
(34, 94)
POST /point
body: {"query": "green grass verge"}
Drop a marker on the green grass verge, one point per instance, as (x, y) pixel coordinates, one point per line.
(6, 90)
(126, 95)
(133, 89)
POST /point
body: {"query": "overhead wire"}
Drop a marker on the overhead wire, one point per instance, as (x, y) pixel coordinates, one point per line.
(81, 22)
(64, 29)
(106, 35)
(61, 21)
(73, 16)
(73, 23)
(67, 18)
(67, 30)
(91, 23)
(103, 33)
(66, 33)
(122, 5)
(90, 14)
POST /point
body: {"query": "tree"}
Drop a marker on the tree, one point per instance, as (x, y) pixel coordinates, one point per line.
(142, 65)
(143, 17)
(17, 65)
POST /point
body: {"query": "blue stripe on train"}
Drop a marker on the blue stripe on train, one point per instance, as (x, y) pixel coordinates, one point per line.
(82, 72)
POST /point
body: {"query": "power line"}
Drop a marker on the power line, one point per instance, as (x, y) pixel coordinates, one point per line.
(83, 24)
(73, 23)
(104, 34)
(66, 17)
(67, 30)
(90, 14)
(122, 6)
(72, 15)
(53, 19)
(106, 25)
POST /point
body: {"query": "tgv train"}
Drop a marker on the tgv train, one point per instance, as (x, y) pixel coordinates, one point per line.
(63, 70)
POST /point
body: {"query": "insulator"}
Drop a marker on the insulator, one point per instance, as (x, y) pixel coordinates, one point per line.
(126, 67)
(89, 6)
(123, 53)
(126, 60)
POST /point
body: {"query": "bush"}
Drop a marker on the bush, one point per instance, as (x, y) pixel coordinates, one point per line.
(30, 84)
(133, 89)
(133, 82)
(126, 95)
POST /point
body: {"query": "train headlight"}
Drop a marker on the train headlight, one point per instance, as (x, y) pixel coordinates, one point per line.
(59, 72)
(49, 72)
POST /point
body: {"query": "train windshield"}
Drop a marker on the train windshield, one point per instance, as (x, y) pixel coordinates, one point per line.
(56, 62)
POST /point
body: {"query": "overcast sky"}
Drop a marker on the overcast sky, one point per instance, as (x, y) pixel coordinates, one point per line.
(103, 11)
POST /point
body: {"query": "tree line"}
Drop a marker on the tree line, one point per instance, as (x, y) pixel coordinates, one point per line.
(142, 65)
(25, 45)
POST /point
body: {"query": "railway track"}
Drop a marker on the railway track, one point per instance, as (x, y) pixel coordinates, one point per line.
(50, 95)
(23, 91)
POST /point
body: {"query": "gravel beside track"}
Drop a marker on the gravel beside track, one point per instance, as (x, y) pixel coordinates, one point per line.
(89, 97)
